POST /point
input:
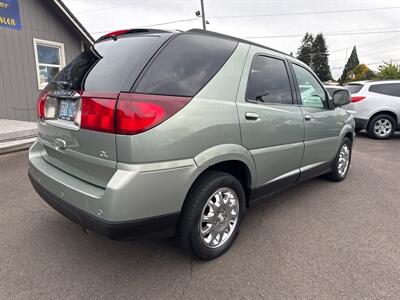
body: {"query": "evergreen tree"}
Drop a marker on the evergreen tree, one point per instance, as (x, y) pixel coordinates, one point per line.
(319, 58)
(305, 49)
(352, 62)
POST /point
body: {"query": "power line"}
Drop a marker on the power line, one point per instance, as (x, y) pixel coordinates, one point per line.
(369, 63)
(305, 13)
(326, 34)
(151, 25)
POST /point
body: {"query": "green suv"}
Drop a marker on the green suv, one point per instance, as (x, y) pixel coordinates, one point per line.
(152, 132)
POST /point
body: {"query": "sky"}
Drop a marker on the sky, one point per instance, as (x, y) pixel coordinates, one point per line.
(372, 26)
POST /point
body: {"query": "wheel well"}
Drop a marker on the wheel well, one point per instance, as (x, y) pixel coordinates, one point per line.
(350, 136)
(390, 113)
(237, 169)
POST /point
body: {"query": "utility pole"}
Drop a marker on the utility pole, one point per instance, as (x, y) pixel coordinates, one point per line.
(203, 16)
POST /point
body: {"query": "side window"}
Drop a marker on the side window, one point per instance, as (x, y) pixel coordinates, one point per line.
(311, 92)
(390, 89)
(269, 81)
(186, 65)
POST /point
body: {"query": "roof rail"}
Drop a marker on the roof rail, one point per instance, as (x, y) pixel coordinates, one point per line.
(217, 34)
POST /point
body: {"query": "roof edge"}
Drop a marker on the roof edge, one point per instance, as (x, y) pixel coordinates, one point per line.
(74, 20)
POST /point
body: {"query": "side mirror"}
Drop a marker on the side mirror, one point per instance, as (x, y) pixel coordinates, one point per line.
(341, 97)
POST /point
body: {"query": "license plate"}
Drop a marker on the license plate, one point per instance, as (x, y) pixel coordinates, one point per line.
(67, 110)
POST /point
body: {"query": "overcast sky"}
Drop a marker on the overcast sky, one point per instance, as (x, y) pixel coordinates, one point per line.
(378, 21)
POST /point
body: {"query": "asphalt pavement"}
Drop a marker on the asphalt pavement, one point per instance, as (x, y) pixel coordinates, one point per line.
(317, 240)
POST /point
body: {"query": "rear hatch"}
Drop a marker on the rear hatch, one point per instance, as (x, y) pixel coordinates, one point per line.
(76, 110)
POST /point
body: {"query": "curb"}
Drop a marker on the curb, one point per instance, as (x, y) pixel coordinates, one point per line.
(16, 145)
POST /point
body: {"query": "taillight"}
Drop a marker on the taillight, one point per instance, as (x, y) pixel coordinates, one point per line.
(137, 113)
(357, 98)
(40, 105)
(98, 114)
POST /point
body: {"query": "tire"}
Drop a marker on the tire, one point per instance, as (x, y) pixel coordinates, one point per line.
(202, 201)
(339, 171)
(381, 127)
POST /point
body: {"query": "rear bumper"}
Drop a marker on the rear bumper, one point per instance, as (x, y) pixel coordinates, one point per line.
(138, 200)
(160, 226)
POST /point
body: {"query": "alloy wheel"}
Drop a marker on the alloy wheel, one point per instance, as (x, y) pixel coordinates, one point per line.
(344, 160)
(383, 128)
(219, 218)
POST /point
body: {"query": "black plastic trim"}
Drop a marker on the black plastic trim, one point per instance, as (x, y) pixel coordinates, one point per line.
(361, 123)
(160, 226)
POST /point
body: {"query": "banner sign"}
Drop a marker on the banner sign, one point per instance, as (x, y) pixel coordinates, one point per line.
(9, 14)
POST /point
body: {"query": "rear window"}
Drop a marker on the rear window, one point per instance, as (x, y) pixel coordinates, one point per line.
(390, 89)
(185, 65)
(106, 66)
(269, 81)
(354, 88)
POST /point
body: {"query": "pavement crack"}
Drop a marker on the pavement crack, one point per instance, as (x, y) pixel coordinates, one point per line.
(191, 268)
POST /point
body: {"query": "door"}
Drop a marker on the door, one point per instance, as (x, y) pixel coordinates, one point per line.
(271, 123)
(322, 124)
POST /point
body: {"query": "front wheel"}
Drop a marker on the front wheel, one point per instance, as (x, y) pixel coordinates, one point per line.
(211, 215)
(341, 164)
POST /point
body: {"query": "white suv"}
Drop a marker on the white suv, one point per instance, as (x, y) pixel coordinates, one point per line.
(376, 106)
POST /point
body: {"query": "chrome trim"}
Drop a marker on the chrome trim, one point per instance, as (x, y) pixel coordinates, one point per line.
(309, 167)
(283, 176)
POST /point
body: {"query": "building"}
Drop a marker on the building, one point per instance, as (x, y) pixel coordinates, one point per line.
(37, 38)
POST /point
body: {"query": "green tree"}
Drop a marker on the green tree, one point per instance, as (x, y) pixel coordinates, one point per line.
(319, 58)
(360, 72)
(305, 49)
(389, 71)
(352, 62)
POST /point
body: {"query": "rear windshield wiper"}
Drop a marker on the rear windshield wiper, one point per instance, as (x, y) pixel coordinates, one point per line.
(62, 84)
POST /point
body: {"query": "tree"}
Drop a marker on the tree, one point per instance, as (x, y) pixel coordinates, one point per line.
(352, 62)
(319, 58)
(305, 49)
(389, 71)
(360, 72)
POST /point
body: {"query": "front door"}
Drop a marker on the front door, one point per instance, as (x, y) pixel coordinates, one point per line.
(322, 124)
(271, 123)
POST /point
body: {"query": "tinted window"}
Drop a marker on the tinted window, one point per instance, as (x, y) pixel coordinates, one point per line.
(185, 65)
(330, 90)
(390, 89)
(311, 92)
(269, 81)
(106, 66)
(353, 88)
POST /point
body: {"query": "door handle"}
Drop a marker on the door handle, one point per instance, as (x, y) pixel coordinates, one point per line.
(252, 116)
(308, 118)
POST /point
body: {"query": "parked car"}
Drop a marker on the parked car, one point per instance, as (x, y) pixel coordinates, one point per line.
(376, 106)
(332, 88)
(177, 133)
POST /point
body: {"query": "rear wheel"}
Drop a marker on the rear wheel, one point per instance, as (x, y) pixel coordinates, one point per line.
(211, 215)
(381, 127)
(341, 164)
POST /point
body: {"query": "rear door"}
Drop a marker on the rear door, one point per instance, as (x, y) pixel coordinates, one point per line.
(322, 124)
(77, 128)
(271, 122)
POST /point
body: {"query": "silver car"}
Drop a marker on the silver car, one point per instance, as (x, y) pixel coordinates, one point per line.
(376, 106)
(177, 133)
